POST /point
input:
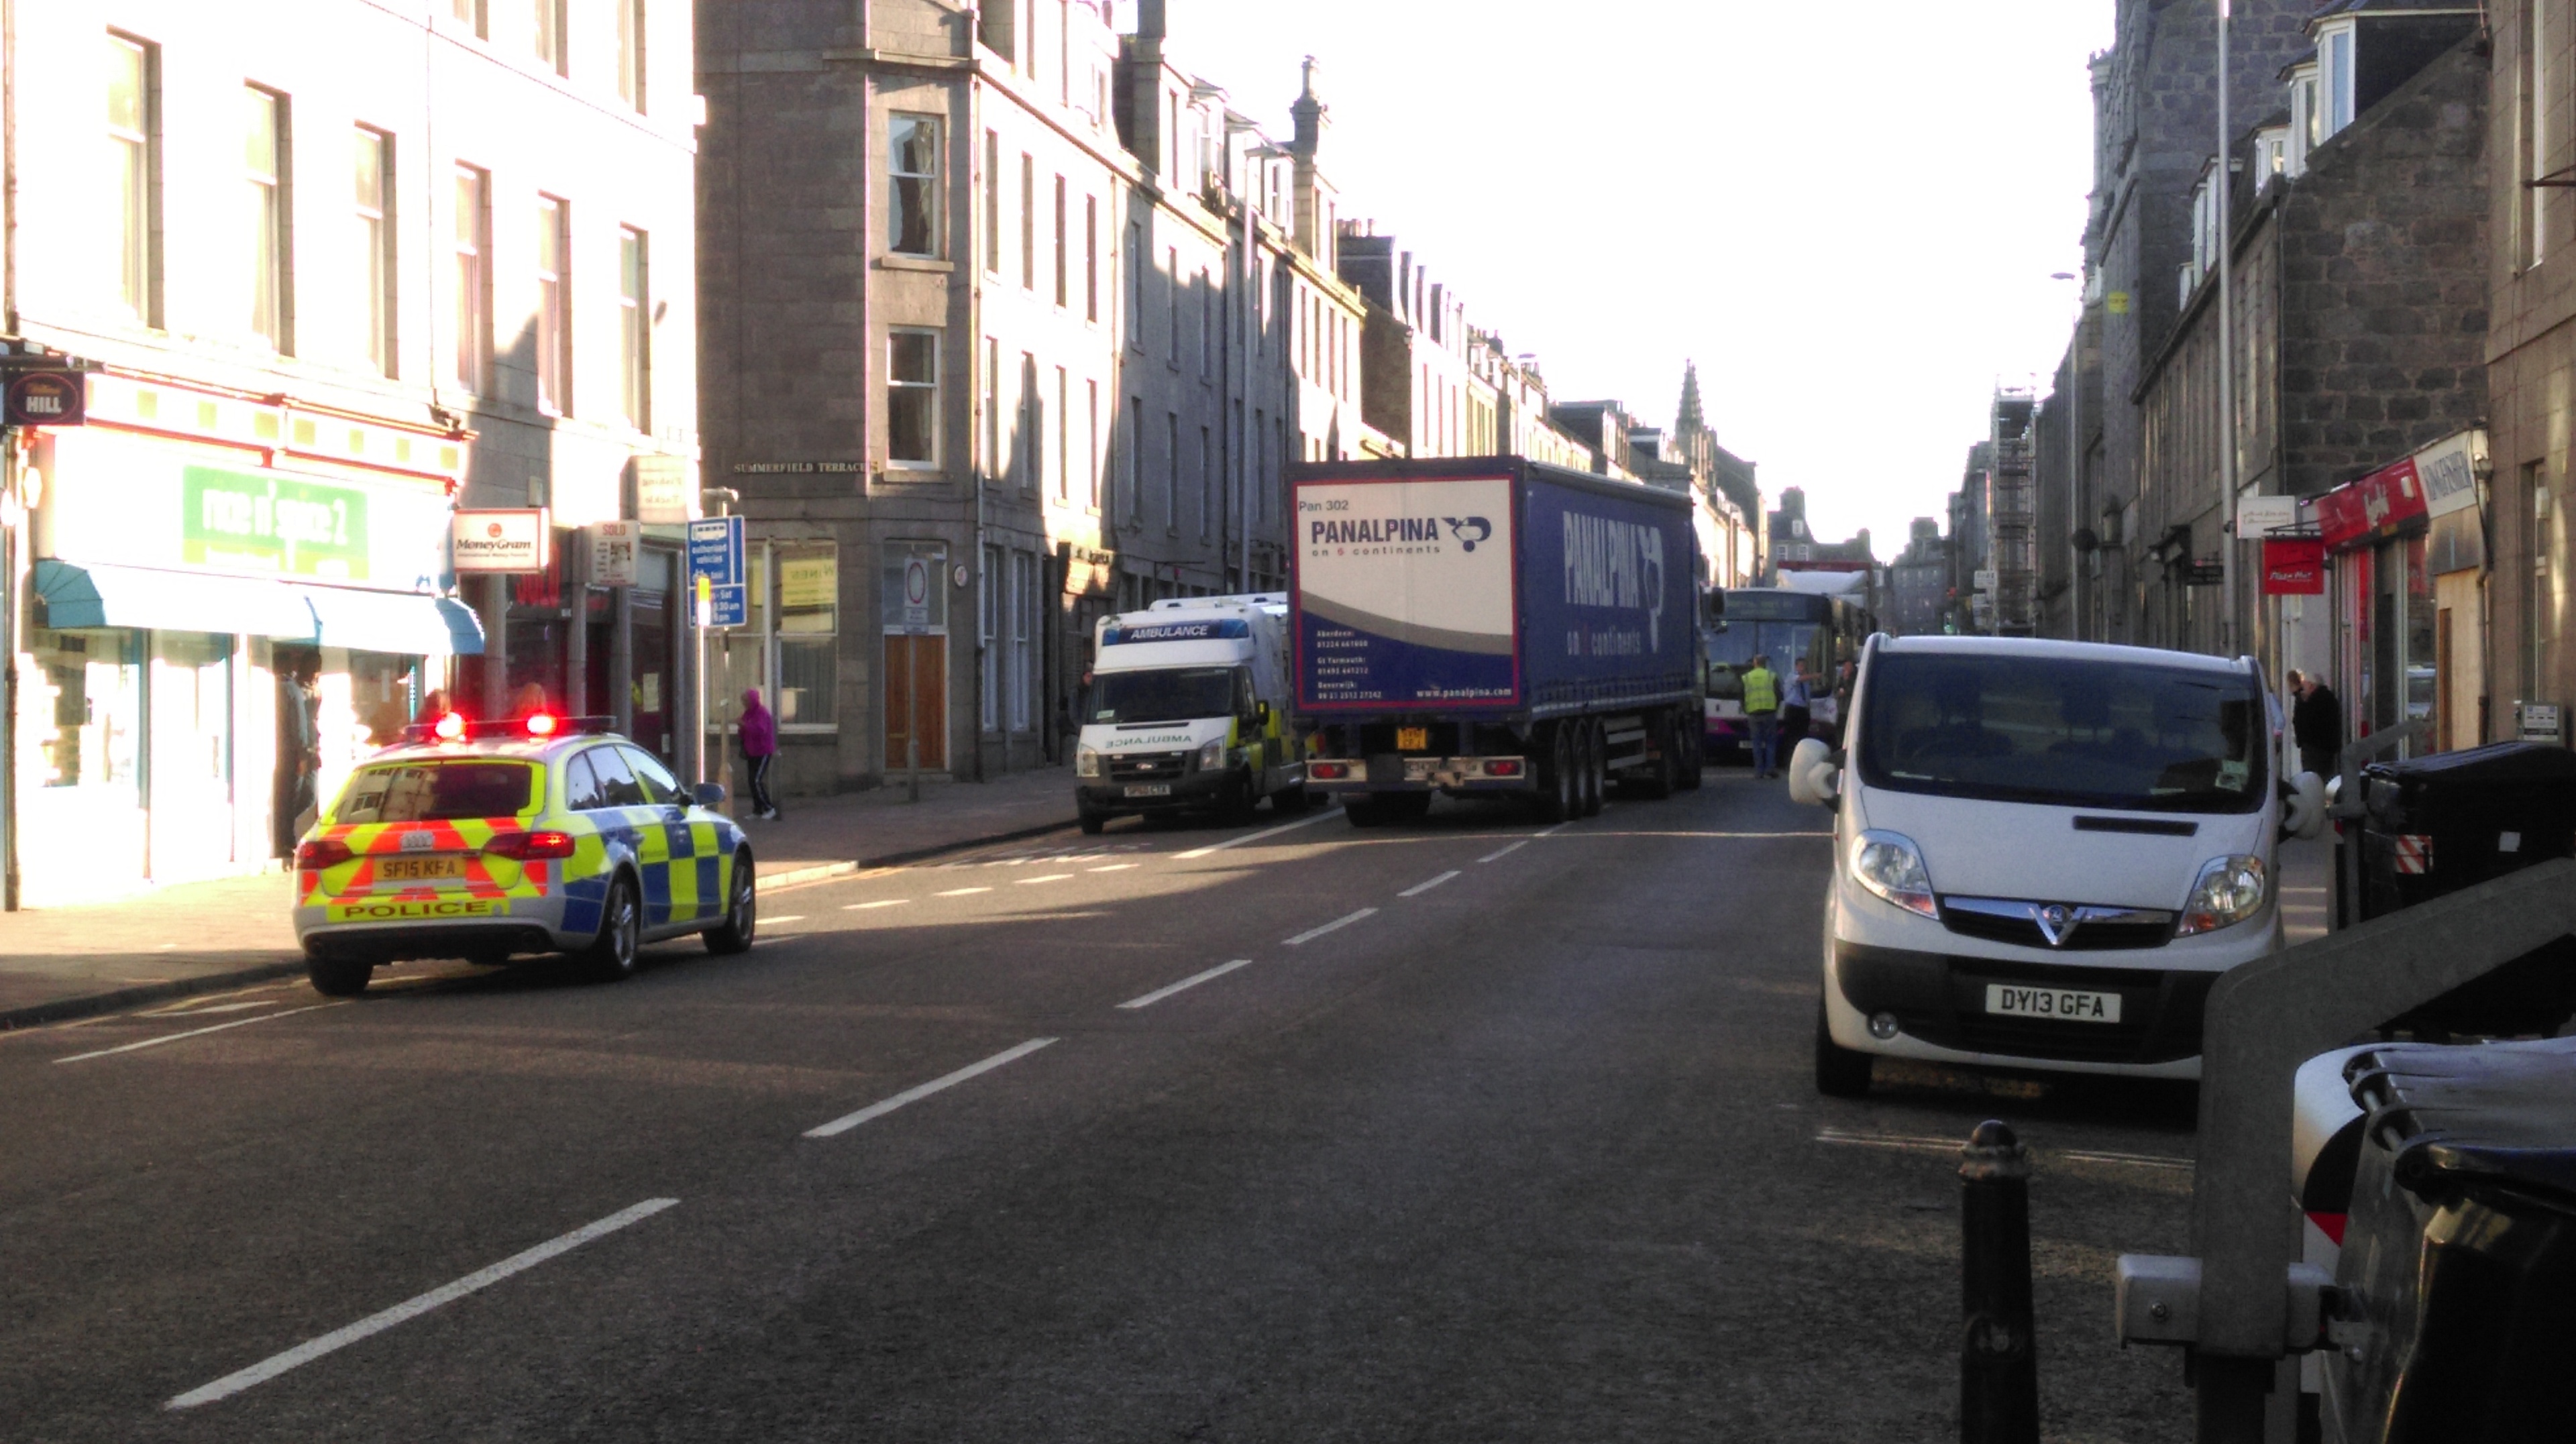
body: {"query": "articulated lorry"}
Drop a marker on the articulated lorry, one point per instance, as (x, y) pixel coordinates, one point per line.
(1490, 625)
(1187, 710)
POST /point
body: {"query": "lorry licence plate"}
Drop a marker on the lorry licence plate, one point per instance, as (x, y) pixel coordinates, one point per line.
(416, 869)
(1412, 739)
(2067, 1003)
(1150, 789)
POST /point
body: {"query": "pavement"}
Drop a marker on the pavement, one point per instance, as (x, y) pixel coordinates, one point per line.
(188, 938)
(1472, 1129)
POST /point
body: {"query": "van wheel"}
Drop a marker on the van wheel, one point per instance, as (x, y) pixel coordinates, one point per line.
(611, 958)
(1840, 1072)
(1556, 797)
(334, 978)
(1092, 821)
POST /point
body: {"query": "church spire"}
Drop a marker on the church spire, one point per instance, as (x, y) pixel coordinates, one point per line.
(1692, 420)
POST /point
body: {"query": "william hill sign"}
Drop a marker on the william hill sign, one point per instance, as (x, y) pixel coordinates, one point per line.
(46, 398)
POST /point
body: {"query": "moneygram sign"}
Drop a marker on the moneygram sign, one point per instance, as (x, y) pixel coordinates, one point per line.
(501, 541)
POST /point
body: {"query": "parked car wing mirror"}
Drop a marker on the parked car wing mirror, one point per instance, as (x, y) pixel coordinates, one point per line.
(710, 794)
(1814, 780)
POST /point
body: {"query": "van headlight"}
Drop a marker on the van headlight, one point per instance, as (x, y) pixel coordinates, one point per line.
(1889, 865)
(2228, 891)
(1212, 756)
(1086, 761)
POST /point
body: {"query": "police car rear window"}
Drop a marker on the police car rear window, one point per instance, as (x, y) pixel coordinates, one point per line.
(436, 792)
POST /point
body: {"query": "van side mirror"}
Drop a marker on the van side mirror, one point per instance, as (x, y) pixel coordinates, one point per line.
(1814, 779)
(1261, 713)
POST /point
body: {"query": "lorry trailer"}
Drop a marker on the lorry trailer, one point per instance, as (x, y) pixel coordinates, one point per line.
(1491, 625)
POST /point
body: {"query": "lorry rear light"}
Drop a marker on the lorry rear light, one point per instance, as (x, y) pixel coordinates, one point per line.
(320, 853)
(529, 846)
(1503, 767)
(1328, 771)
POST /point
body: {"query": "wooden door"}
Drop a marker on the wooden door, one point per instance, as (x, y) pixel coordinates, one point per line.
(916, 687)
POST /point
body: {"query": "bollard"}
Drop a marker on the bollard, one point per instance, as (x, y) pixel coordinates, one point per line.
(1998, 1365)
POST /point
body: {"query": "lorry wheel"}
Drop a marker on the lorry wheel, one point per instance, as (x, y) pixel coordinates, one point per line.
(1556, 781)
(1594, 768)
(1658, 777)
(1362, 810)
(1405, 806)
(1840, 1072)
(1693, 735)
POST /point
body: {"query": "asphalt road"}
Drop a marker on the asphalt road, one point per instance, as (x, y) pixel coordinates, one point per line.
(1470, 1130)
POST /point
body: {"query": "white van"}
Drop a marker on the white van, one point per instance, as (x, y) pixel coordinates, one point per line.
(1187, 709)
(2045, 853)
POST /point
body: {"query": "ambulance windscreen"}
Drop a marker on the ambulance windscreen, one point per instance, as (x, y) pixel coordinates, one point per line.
(1168, 694)
(436, 792)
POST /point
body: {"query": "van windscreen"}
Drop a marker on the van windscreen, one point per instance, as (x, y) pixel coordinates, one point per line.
(2064, 731)
(1165, 694)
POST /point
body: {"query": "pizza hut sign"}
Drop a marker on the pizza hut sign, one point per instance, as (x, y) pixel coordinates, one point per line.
(513, 540)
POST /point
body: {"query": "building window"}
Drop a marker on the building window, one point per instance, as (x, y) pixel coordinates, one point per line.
(1091, 258)
(473, 279)
(1172, 472)
(1260, 440)
(1172, 295)
(1091, 446)
(372, 240)
(1135, 467)
(993, 201)
(635, 327)
(1032, 448)
(630, 51)
(809, 613)
(1063, 255)
(264, 139)
(2536, 628)
(472, 13)
(1136, 285)
(2532, 154)
(1028, 222)
(134, 170)
(912, 398)
(988, 660)
(913, 209)
(2334, 65)
(1207, 324)
(1024, 605)
(993, 408)
(554, 288)
(1064, 52)
(1063, 426)
(1207, 481)
(552, 53)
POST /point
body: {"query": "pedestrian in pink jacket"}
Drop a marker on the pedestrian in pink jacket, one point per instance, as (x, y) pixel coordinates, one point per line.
(759, 749)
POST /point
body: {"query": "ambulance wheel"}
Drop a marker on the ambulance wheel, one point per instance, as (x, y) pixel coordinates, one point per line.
(1092, 821)
(335, 978)
(742, 913)
(611, 957)
(1840, 1072)
(1557, 797)
(1291, 801)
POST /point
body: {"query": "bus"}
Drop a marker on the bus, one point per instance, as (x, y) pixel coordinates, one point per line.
(1784, 625)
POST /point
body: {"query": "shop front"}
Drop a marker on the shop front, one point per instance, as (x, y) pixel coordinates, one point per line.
(2409, 557)
(209, 636)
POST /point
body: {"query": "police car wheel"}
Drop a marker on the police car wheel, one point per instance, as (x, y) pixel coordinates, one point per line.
(612, 956)
(742, 918)
(334, 978)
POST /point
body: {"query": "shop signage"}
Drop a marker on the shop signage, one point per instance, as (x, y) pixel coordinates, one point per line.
(806, 582)
(613, 552)
(715, 550)
(47, 398)
(796, 468)
(2376, 505)
(2294, 567)
(1985, 579)
(2260, 516)
(512, 540)
(662, 491)
(2449, 471)
(252, 522)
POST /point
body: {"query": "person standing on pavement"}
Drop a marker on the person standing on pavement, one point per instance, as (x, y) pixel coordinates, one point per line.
(1797, 709)
(2316, 724)
(1845, 674)
(759, 732)
(1762, 713)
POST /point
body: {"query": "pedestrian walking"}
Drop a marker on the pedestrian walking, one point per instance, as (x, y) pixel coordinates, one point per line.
(2316, 724)
(759, 732)
(1845, 675)
(1762, 714)
(1797, 709)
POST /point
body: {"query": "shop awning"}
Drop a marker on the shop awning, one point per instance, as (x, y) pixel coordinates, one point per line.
(114, 596)
(407, 625)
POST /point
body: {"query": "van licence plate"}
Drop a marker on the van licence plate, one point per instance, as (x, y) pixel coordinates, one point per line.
(419, 869)
(2067, 1003)
(1150, 789)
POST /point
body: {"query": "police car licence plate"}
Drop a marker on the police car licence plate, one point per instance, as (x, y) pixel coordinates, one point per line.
(1150, 789)
(2067, 1003)
(418, 869)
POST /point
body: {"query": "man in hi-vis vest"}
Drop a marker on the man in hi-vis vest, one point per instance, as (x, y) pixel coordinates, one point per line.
(1762, 714)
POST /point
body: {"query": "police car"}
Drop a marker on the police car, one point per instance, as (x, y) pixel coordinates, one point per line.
(544, 834)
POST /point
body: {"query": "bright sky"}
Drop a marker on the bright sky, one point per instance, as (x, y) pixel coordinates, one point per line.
(1846, 214)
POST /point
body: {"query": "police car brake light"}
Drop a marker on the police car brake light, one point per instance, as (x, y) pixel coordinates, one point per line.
(528, 846)
(320, 853)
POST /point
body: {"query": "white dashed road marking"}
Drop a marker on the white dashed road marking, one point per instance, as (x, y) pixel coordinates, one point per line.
(197, 1032)
(1252, 837)
(1311, 934)
(962, 891)
(1114, 867)
(1418, 889)
(846, 1122)
(1050, 877)
(894, 902)
(1499, 855)
(1159, 994)
(305, 1353)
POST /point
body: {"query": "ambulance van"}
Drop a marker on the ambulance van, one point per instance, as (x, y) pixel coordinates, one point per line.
(1187, 710)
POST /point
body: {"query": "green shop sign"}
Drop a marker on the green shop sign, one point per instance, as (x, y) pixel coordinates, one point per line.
(275, 524)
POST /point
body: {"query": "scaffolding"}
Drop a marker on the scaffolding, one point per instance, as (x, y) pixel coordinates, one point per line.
(2012, 513)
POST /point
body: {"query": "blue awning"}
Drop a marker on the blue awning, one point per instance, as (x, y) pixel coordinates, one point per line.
(405, 624)
(106, 595)
(115, 596)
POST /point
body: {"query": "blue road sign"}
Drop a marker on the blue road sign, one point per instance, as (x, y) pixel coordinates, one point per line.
(729, 606)
(715, 551)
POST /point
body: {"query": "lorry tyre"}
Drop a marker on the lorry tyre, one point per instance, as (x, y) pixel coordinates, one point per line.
(1556, 778)
(1362, 810)
(1840, 1072)
(1656, 778)
(1595, 767)
(1405, 806)
(1693, 735)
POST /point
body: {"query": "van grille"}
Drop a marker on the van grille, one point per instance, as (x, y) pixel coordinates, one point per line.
(1147, 766)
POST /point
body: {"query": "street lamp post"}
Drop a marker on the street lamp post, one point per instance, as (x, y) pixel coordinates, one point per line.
(2074, 461)
(2227, 483)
